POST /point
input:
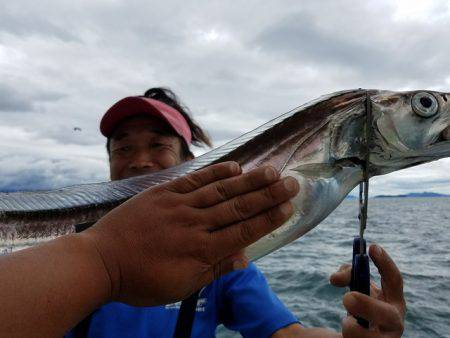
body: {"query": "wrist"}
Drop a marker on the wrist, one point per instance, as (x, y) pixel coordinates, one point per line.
(100, 267)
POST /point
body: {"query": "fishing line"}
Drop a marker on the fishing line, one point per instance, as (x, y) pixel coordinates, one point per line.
(360, 275)
(364, 185)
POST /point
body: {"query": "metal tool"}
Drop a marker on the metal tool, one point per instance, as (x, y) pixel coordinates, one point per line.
(360, 276)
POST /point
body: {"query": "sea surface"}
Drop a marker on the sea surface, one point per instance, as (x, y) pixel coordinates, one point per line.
(414, 231)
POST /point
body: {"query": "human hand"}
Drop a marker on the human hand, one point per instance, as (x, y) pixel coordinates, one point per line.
(168, 241)
(385, 309)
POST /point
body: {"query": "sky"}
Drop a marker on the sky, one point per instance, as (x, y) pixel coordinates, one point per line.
(235, 64)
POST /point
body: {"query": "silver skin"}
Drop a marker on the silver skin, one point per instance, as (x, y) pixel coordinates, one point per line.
(404, 134)
(321, 144)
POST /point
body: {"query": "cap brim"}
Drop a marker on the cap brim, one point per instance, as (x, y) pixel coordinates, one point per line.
(138, 105)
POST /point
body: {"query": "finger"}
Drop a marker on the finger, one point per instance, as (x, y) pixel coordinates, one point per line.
(245, 206)
(238, 236)
(342, 277)
(351, 329)
(202, 177)
(391, 278)
(377, 312)
(223, 190)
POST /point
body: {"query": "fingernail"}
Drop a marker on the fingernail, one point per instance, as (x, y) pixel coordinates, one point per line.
(290, 184)
(377, 250)
(347, 321)
(286, 209)
(270, 173)
(239, 264)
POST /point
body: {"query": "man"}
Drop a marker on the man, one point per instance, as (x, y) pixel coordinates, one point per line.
(145, 135)
(49, 287)
(148, 134)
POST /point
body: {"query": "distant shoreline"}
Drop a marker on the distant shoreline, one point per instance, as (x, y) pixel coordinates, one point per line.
(410, 195)
(414, 195)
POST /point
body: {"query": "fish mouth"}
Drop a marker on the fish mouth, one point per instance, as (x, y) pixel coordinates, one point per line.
(445, 135)
(441, 148)
(435, 151)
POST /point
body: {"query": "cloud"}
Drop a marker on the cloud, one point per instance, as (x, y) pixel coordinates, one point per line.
(363, 42)
(236, 65)
(30, 162)
(35, 173)
(11, 100)
(426, 177)
(15, 100)
(15, 19)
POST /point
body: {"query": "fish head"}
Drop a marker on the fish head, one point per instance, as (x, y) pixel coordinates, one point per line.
(409, 128)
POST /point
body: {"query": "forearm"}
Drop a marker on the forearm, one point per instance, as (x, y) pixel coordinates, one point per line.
(51, 287)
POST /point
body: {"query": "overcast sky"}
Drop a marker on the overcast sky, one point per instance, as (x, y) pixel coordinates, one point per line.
(236, 64)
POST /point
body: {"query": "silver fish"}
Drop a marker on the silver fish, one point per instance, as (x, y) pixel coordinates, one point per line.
(320, 143)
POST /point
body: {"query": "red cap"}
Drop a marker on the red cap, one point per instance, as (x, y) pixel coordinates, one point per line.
(136, 105)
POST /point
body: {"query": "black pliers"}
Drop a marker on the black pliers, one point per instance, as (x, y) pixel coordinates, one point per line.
(360, 275)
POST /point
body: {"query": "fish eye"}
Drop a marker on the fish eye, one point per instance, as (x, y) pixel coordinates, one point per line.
(424, 104)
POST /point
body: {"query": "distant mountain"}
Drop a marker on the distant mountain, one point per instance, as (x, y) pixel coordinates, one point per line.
(414, 195)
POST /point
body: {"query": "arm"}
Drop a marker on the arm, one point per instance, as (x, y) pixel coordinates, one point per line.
(157, 247)
(50, 287)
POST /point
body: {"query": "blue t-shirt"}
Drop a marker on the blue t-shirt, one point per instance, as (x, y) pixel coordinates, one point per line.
(241, 300)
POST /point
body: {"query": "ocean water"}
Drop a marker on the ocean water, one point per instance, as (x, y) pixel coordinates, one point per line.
(414, 231)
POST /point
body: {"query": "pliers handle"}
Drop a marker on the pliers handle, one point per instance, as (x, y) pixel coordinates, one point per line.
(360, 277)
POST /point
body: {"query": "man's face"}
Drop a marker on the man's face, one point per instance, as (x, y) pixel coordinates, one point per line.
(142, 145)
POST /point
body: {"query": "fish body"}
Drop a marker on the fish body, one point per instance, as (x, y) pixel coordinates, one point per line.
(322, 144)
